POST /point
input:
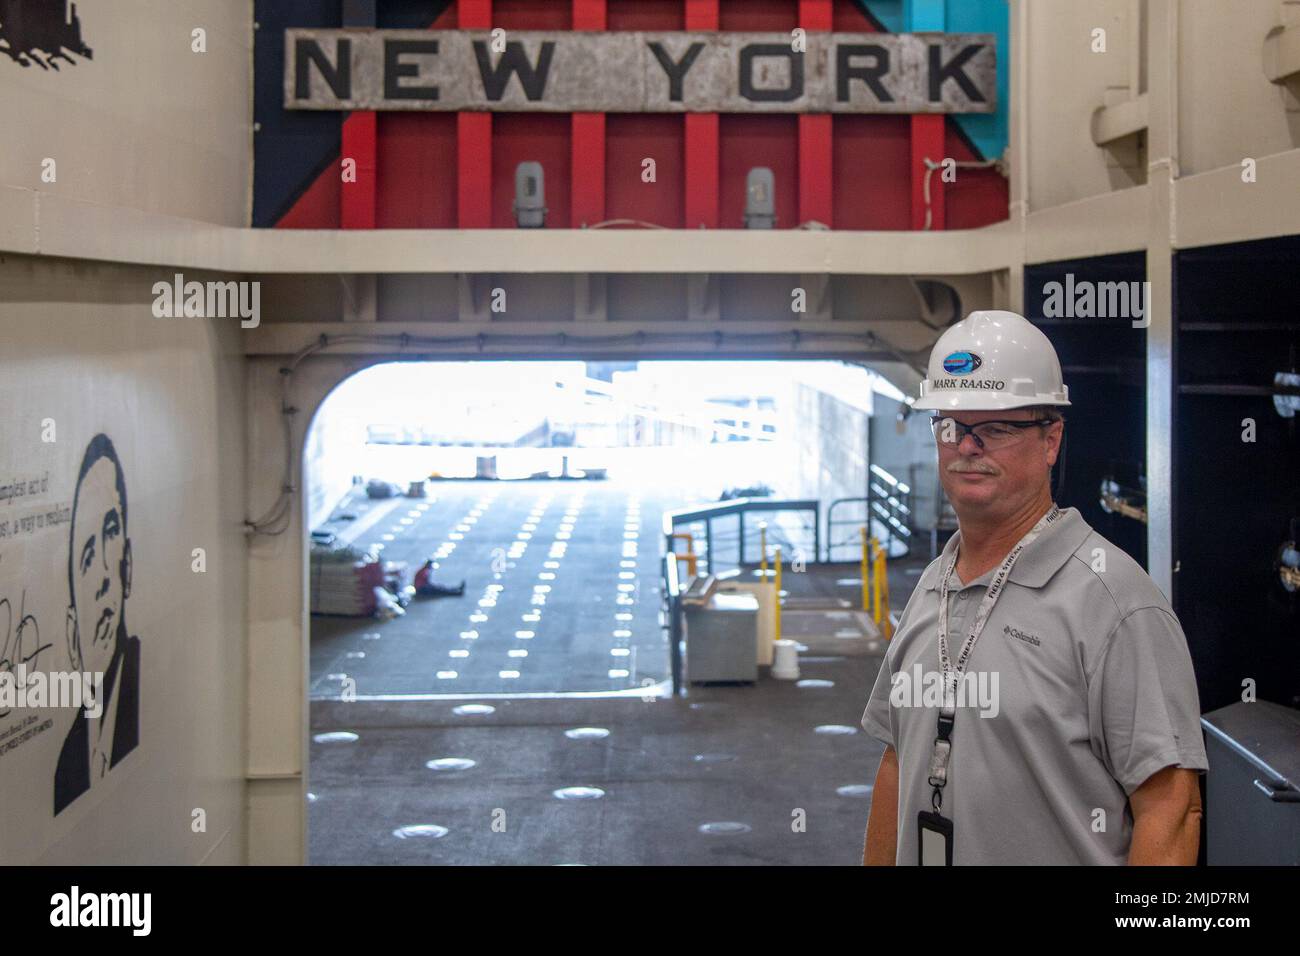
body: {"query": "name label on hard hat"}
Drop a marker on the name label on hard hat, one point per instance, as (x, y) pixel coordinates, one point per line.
(992, 384)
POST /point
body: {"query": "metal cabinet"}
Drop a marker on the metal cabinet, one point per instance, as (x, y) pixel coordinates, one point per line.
(1252, 801)
(722, 639)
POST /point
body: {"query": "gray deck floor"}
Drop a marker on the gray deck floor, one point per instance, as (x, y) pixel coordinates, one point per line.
(745, 754)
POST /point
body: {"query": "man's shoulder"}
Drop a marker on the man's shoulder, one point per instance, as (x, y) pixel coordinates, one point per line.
(930, 576)
(1100, 564)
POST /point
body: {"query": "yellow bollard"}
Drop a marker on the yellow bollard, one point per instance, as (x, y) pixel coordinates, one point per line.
(689, 556)
(778, 592)
(866, 602)
(881, 576)
(875, 580)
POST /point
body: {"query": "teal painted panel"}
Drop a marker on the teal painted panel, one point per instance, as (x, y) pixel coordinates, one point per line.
(922, 15)
(987, 131)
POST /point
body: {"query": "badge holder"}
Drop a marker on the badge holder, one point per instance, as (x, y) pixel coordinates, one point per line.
(933, 830)
(934, 839)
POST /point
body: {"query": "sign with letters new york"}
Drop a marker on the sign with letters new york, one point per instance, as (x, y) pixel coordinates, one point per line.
(633, 72)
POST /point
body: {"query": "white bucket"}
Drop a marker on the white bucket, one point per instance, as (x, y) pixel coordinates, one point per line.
(786, 663)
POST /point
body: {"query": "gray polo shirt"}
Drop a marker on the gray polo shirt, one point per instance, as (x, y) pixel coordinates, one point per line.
(1088, 689)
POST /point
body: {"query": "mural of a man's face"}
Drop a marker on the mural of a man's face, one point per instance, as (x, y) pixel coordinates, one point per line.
(100, 566)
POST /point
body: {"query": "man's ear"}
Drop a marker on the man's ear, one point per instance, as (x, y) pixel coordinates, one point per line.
(126, 570)
(74, 645)
(1054, 438)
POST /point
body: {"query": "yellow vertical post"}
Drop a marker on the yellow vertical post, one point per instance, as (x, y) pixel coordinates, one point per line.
(882, 575)
(875, 580)
(762, 548)
(778, 592)
(866, 603)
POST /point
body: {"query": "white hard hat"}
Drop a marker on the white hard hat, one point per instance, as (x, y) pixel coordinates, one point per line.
(992, 360)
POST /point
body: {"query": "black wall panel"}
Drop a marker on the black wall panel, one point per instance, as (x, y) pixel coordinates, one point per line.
(1236, 501)
(1103, 362)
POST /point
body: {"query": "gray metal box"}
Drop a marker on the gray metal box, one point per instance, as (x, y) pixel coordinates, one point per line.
(722, 639)
(1252, 804)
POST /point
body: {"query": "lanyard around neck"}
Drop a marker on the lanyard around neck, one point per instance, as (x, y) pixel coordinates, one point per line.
(952, 673)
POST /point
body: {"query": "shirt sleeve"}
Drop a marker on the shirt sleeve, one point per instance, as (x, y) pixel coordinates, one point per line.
(876, 718)
(1144, 711)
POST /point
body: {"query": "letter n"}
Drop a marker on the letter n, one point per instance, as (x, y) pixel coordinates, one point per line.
(337, 75)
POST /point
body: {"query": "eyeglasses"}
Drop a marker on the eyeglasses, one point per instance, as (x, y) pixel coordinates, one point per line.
(994, 433)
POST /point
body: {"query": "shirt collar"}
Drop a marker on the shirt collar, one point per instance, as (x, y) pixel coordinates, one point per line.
(1041, 559)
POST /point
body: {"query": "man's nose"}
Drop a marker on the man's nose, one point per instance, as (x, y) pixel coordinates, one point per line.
(968, 445)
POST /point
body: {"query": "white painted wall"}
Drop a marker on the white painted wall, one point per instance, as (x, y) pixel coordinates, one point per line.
(334, 450)
(1067, 81)
(83, 355)
(144, 123)
(833, 407)
(1227, 108)
(278, 625)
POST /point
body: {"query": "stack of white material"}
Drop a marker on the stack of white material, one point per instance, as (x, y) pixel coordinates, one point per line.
(343, 581)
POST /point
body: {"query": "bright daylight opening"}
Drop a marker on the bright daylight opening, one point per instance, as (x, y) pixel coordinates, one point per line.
(497, 527)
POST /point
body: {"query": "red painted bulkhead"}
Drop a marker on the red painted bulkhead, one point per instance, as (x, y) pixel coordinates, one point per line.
(456, 170)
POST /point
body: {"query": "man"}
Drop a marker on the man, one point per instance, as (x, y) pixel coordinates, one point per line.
(99, 582)
(425, 586)
(1090, 751)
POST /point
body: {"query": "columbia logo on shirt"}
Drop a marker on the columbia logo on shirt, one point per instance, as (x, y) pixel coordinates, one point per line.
(1020, 635)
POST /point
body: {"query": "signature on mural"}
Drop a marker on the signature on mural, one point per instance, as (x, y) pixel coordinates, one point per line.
(20, 645)
(41, 32)
(99, 583)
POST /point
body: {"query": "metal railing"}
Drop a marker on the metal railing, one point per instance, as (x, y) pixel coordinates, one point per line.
(850, 542)
(891, 505)
(730, 533)
(728, 548)
(713, 526)
(672, 609)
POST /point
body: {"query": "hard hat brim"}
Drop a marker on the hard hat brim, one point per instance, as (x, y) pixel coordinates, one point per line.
(981, 402)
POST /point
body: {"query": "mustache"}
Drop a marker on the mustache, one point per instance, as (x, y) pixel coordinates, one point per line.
(964, 466)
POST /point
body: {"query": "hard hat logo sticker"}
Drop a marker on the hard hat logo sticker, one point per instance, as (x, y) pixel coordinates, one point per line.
(961, 363)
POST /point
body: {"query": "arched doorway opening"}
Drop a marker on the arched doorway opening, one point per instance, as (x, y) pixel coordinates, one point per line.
(433, 732)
